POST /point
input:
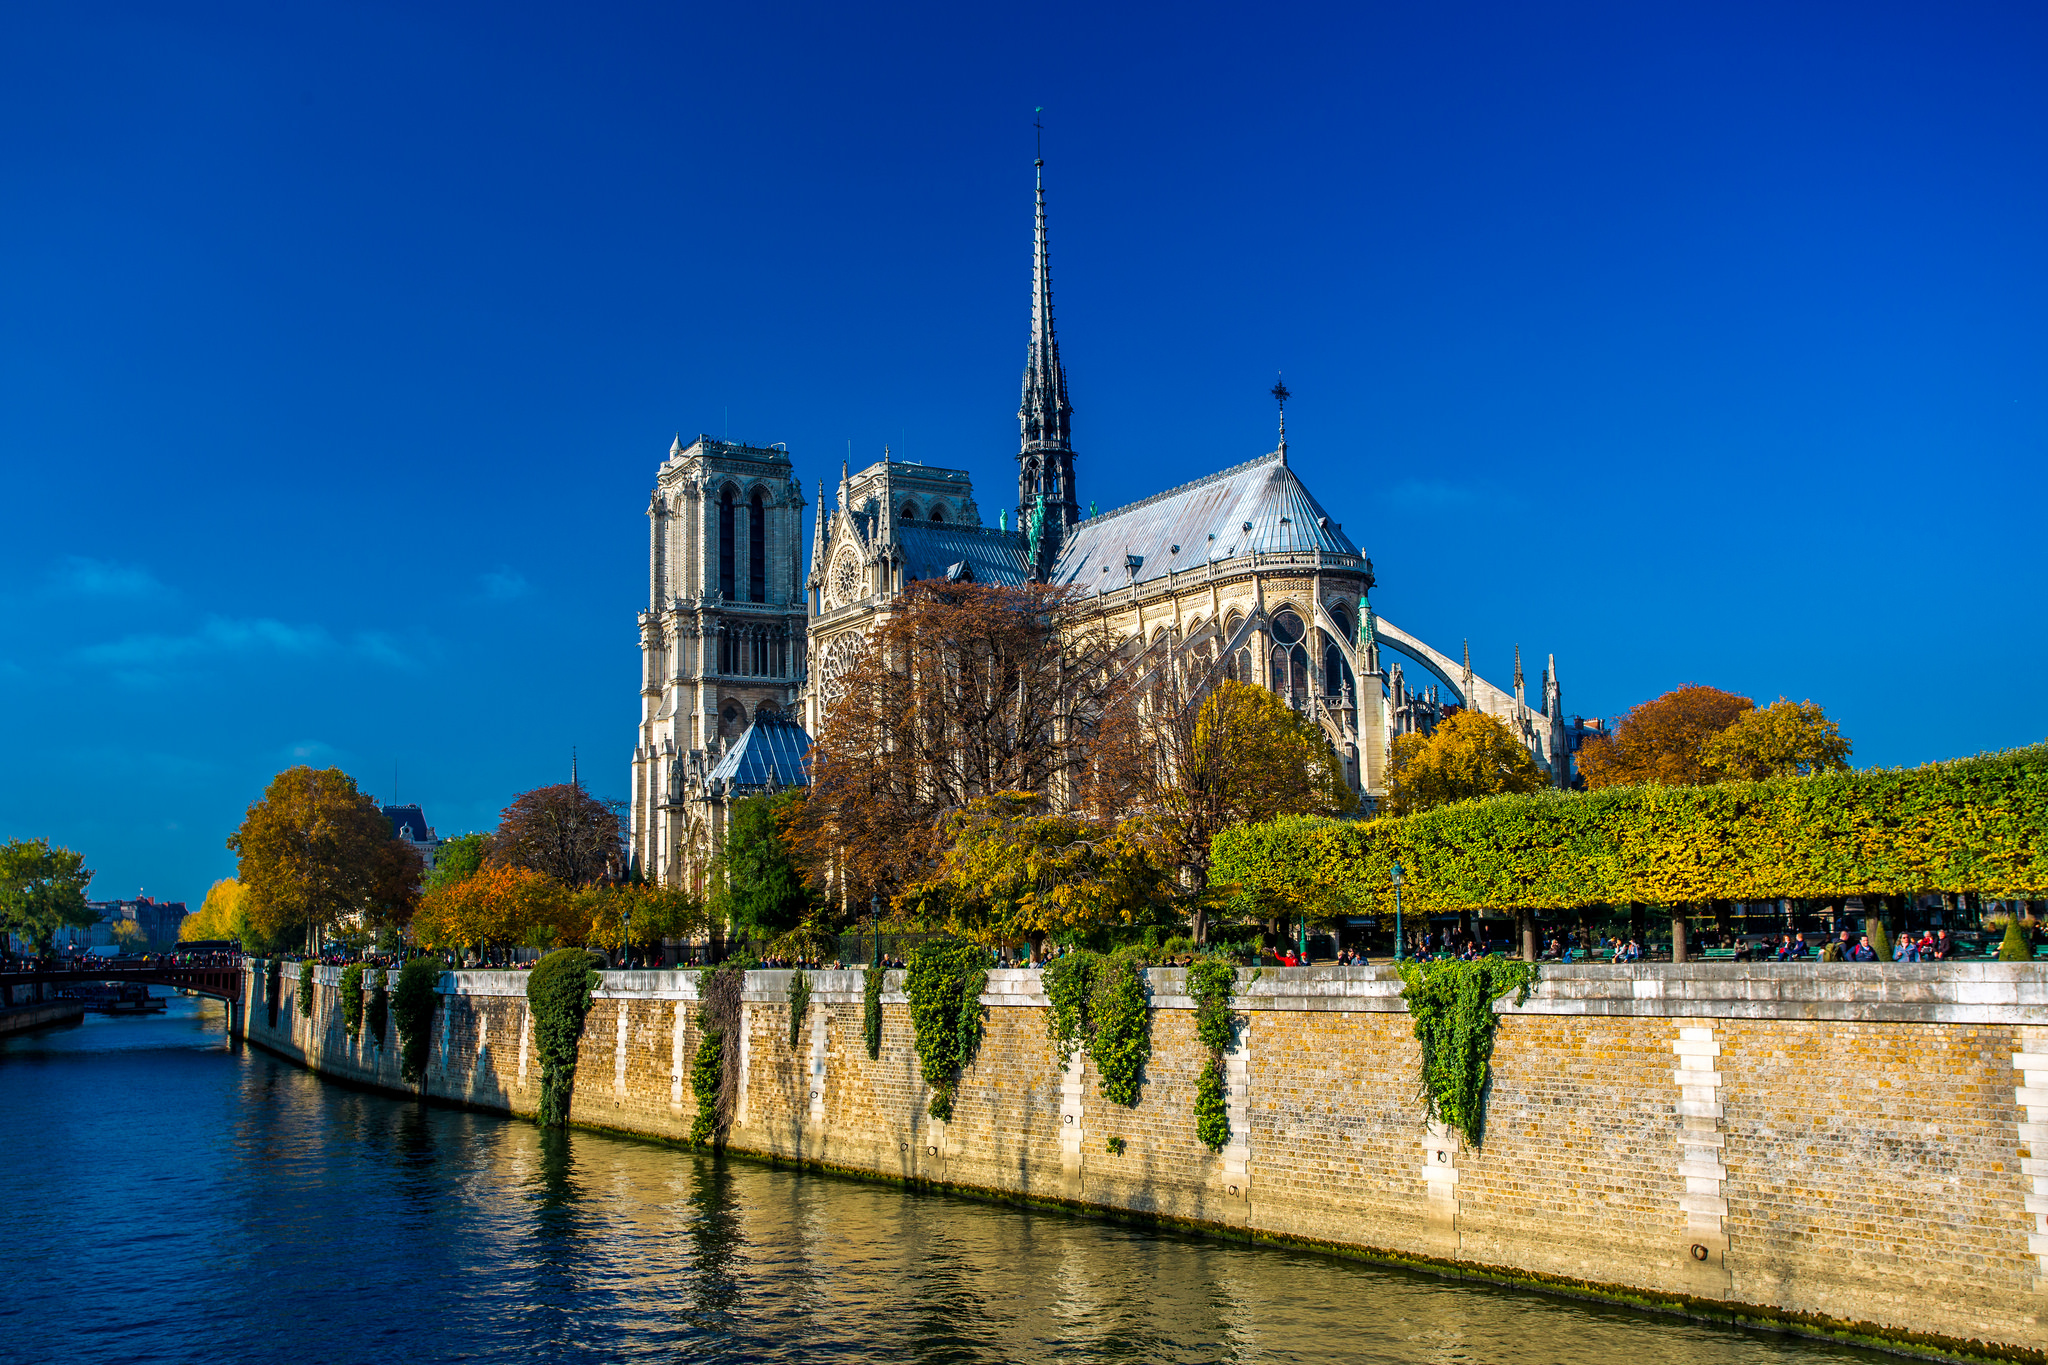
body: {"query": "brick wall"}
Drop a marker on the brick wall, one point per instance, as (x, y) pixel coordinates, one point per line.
(1846, 1143)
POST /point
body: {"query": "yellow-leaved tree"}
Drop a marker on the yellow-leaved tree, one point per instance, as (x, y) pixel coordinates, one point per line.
(1471, 754)
(1014, 871)
(224, 914)
(1785, 739)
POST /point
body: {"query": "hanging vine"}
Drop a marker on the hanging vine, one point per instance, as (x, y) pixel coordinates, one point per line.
(944, 986)
(714, 1070)
(413, 1003)
(306, 989)
(352, 999)
(871, 1011)
(1452, 1002)
(1099, 1003)
(378, 1013)
(799, 1005)
(1211, 984)
(558, 992)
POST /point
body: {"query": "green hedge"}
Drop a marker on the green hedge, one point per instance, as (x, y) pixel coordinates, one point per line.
(1976, 824)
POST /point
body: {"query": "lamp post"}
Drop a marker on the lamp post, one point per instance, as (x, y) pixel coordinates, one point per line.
(1400, 938)
(875, 923)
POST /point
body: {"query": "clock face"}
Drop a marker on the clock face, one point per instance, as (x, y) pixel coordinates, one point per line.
(846, 580)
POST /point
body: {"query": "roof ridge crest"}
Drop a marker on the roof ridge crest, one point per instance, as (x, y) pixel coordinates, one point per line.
(1270, 457)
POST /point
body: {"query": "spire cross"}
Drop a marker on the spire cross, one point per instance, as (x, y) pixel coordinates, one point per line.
(1280, 396)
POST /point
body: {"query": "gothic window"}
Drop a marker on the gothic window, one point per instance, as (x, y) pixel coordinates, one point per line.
(938, 512)
(1342, 615)
(1290, 658)
(846, 579)
(725, 533)
(757, 548)
(837, 658)
(910, 511)
(1336, 673)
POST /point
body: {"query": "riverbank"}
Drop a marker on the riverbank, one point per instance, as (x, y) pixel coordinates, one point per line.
(44, 1014)
(1844, 1151)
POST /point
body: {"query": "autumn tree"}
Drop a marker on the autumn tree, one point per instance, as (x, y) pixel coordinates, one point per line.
(42, 890)
(223, 915)
(1014, 871)
(964, 691)
(1784, 739)
(1206, 752)
(564, 832)
(1471, 754)
(315, 851)
(500, 906)
(1663, 740)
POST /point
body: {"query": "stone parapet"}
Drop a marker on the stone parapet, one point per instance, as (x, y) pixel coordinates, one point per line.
(1848, 1149)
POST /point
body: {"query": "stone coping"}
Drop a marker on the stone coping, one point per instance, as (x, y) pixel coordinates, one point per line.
(1863, 992)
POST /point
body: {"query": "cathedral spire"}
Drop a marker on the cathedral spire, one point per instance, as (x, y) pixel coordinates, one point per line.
(1045, 454)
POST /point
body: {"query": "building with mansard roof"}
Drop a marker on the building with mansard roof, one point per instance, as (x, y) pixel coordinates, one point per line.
(1244, 567)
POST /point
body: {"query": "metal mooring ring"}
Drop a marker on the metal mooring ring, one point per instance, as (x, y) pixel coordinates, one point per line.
(1442, 1156)
(931, 1151)
(1699, 1253)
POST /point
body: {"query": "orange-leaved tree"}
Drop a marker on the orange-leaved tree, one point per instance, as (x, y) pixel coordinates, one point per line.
(1663, 740)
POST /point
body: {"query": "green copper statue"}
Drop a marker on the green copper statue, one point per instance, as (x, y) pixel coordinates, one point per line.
(1034, 530)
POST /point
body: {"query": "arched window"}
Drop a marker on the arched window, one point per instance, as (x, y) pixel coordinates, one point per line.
(1336, 673)
(757, 548)
(1290, 658)
(1342, 615)
(938, 512)
(910, 511)
(725, 534)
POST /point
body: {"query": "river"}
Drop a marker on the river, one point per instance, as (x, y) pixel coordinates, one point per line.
(169, 1198)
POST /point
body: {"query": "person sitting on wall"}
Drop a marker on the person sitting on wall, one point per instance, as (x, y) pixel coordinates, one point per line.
(1863, 952)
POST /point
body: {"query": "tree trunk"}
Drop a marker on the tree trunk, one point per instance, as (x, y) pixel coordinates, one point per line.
(1678, 944)
(1527, 919)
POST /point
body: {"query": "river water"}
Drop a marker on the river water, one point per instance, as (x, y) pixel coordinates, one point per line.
(169, 1198)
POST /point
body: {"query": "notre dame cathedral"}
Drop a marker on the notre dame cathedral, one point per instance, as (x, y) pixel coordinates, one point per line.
(742, 646)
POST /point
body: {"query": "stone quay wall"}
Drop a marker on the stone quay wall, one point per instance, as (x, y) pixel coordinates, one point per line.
(1836, 1148)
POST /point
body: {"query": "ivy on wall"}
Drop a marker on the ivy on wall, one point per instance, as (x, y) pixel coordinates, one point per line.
(378, 1012)
(352, 999)
(558, 992)
(714, 1070)
(1099, 1002)
(1452, 1002)
(306, 989)
(413, 1004)
(1976, 824)
(799, 1005)
(944, 985)
(1212, 982)
(871, 1011)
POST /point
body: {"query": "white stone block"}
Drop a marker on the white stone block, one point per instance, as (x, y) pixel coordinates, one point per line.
(1703, 1203)
(1692, 1047)
(1692, 1079)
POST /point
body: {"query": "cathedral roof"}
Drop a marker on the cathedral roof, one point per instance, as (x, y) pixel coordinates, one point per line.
(770, 755)
(935, 549)
(1258, 505)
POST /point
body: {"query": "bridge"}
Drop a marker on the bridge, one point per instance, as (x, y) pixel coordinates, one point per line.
(219, 976)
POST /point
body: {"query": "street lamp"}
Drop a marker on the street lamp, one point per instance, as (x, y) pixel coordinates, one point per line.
(1400, 939)
(627, 914)
(875, 923)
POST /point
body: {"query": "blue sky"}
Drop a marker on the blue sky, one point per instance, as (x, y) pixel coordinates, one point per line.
(339, 345)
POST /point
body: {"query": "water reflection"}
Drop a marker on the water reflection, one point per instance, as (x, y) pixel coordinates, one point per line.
(283, 1215)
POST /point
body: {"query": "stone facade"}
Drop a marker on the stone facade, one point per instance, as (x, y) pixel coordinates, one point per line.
(1846, 1149)
(721, 640)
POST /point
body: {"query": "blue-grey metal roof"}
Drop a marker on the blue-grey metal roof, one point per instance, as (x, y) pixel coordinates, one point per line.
(407, 821)
(769, 755)
(1187, 526)
(933, 549)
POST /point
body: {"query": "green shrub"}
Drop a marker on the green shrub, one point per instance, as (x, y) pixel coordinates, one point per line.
(2014, 947)
(944, 985)
(352, 998)
(707, 1068)
(413, 1003)
(1452, 1002)
(306, 989)
(558, 992)
(1880, 937)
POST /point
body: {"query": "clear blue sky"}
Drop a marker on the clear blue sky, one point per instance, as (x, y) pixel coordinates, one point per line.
(339, 345)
